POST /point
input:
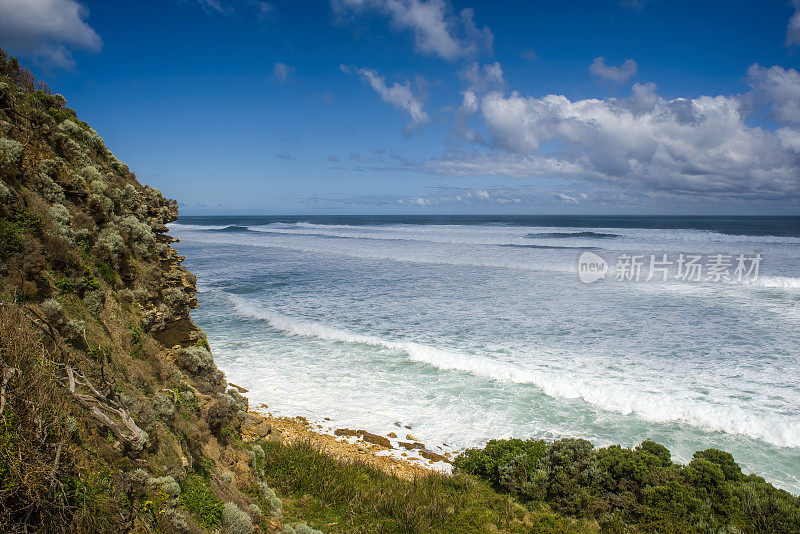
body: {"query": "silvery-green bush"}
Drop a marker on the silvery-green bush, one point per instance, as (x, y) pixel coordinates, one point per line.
(10, 151)
(73, 329)
(109, 240)
(48, 166)
(273, 501)
(61, 218)
(51, 191)
(139, 234)
(100, 205)
(235, 520)
(164, 405)
(92, 174)
(52, 310)
(167, 483)
(195, 358)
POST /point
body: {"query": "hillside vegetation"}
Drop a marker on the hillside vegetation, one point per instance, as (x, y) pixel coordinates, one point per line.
(115, 418)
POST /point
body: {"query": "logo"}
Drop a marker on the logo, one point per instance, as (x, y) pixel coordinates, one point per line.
(591, 267)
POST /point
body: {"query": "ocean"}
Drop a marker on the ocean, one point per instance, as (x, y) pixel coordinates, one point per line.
(681, 330)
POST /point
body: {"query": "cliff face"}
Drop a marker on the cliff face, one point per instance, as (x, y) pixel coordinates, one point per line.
(113, 415)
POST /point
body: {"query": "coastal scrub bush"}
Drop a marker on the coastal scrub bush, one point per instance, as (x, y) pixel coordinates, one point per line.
(138, 234)
(94, 301)
(173, 296)
(166, 483)
(10, 151)
(109, 241)
(239, 400)
(48, 166)
(107, 273)
(100, 206)
(92, 174)
(635, 489)
(236, 521)
(52, 310)
(486, 462)
(51, 191)
(73, 329)
(195, 359)
(200, 501)
(163, 405)
(274, 506)
(60, 217)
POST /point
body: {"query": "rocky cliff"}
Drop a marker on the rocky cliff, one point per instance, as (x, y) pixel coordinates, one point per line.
(113, 415)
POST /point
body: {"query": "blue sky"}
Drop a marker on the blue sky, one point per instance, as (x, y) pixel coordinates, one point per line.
(430, 106)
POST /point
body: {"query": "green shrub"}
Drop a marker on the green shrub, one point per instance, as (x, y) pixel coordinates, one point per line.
(200, 501)
(90, 283)
(486, 462)
(107, 273)
(640, 489)
(203, 342)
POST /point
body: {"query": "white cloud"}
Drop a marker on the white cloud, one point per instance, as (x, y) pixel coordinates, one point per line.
(437, 29)
(470, 101)
(699, 146)
(399, 96)
(793, 30)
(485, 78)
(778, 90)
(623, 73)
(47, 30)
(281, 71)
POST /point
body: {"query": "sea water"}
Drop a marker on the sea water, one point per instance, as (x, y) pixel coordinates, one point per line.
(471, 328)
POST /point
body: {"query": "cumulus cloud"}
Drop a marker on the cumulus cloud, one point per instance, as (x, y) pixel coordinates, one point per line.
(623, 73)
(793, 30)
(776, 89)
(695, 147)
(286, 156)
(47, 30)
(399, 96)
(281, 71)
(437, 29)
(481, 79)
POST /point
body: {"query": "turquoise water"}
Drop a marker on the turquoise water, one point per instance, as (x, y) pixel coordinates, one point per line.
(467, 329)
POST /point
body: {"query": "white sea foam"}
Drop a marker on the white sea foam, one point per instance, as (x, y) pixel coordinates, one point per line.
(652, 407)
